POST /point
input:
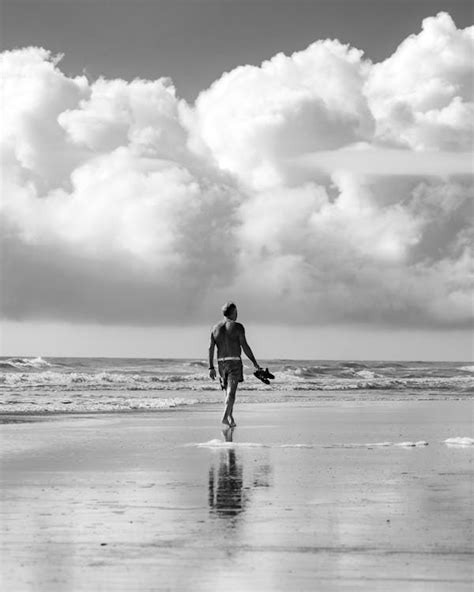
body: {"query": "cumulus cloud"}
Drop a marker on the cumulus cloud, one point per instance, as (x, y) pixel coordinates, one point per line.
(422, 96)
(318, 187)
(253, 118)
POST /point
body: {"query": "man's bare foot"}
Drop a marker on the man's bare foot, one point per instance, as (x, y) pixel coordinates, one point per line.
(232, 422)
(226, 422)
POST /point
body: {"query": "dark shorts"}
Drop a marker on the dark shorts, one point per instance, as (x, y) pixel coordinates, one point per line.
(230, 370)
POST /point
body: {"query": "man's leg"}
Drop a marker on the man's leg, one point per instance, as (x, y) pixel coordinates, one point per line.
(231, 413)
(229, 402)
(238, 376)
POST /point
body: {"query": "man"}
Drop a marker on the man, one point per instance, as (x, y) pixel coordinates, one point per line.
(229, 337)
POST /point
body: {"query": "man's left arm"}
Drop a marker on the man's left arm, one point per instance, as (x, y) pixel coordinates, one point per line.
(246, 347)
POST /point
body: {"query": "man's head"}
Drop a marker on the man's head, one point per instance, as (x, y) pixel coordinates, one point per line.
(229, 310)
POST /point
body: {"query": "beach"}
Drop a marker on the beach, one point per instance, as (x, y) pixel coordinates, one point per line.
(315, 495)
(261, 203)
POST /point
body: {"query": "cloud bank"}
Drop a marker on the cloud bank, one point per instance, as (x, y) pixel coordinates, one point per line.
(316, 188)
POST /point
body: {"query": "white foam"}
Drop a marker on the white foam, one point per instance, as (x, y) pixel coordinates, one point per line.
(100, 380)
(297, 446)
(90, 405)
(460, 441)
(408, 444)
(365, 374)
(222, 444)
(467, 368)
(215, 443)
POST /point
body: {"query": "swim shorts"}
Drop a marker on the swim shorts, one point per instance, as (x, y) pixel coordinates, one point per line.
(230, 370)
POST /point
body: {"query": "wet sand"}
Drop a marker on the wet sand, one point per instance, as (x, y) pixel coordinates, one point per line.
(305, 498)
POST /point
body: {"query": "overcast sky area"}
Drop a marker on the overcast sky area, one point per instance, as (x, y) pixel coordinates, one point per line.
(310, 160)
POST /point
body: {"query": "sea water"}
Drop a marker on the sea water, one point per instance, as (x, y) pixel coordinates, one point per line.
(52, 385)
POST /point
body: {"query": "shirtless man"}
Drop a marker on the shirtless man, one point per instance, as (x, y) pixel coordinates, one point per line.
(229, 337)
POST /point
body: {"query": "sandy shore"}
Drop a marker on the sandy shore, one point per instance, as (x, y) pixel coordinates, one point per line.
(305, 498)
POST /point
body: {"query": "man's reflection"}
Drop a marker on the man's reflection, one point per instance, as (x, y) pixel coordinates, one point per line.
(225, 493)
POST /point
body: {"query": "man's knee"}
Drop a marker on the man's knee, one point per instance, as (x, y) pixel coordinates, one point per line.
(233, 384)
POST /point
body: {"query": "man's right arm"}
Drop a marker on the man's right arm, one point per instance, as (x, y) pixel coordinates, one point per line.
(246, 347)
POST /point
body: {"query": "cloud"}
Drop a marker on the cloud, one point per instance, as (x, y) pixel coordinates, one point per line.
(254, 118)
(316, 188)
(351, 259)
(422, 96)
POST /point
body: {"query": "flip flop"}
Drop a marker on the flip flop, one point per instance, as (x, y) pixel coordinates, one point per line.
(263, 375)
(268, 374)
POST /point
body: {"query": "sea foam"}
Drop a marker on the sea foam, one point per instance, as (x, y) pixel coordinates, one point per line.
(460, 441)
(215, 443)
(407, 444)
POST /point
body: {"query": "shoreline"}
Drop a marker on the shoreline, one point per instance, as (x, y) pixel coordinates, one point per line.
(245, 397)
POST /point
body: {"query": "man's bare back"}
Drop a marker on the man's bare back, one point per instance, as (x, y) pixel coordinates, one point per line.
(228, 336)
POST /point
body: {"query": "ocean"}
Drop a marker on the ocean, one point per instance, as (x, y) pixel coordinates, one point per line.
(96, 385)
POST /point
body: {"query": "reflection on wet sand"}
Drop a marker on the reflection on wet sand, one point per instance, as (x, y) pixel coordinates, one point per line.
(227, 494)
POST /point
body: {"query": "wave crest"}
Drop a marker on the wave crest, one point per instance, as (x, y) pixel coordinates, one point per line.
(25, 363)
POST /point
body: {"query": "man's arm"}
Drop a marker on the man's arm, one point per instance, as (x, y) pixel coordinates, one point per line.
(246, 347)
(212, 345)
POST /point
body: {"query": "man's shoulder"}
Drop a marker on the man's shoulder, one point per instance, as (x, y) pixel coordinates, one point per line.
(232, 325)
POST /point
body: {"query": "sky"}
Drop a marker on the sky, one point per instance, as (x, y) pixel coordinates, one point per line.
(310, 160)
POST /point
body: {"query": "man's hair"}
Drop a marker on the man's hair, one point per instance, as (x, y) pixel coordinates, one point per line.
(228, 308)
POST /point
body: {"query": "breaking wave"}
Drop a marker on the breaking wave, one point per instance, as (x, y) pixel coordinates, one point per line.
(75, 383)
(24, 363)
(198, 381)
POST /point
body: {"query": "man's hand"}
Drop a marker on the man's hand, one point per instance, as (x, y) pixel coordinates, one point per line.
(212, 373)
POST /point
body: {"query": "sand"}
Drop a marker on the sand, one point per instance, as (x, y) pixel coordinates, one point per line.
(326, 496)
